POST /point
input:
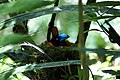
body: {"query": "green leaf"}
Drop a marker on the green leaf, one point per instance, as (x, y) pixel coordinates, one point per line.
(65, 8)
(34, 14)
(109, 71)
(89, 16)
(7, 74)
(117, 73)
(106, 3)
(22, 5)
(2, 56)
(12, 39)
(79, 72)
(107, 10)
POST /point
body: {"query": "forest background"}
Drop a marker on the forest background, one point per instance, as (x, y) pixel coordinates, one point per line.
(24, 54)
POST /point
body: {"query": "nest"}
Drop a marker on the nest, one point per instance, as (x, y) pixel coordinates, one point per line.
(58, 53)
(53, 54)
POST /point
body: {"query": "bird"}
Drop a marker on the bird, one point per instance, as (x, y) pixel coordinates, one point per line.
(59, 39)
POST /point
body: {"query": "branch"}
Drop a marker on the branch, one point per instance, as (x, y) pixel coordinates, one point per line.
(51, 23)
(113, 35)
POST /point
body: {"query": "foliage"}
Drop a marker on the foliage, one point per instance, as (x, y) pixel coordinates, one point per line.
(7, 74)
(12, 39)
(21, 6)
(28, 58)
